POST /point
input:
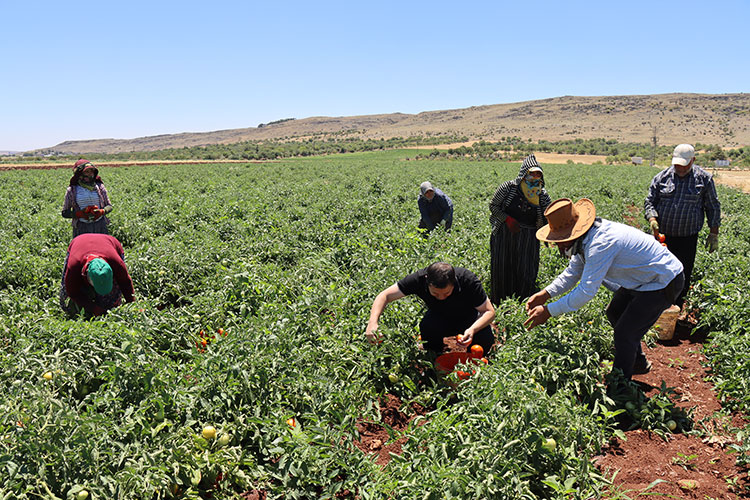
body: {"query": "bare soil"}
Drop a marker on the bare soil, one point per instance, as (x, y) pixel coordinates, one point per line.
(374, 436)
(689, 466)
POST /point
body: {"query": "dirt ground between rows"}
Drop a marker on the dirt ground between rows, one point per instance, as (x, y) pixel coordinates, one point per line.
(690, 466)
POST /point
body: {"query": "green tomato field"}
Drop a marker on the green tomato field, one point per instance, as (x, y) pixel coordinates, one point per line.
(253, 287)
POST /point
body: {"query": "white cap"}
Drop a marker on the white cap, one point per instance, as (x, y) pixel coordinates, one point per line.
(426, 186)
(683, 155)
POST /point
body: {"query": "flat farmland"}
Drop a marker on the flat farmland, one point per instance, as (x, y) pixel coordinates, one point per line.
(253, 284)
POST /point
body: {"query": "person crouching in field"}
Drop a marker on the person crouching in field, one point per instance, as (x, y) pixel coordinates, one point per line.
(86, 200)
(434, 207)
(644, 276)
(456, 304)
(95, 277)
(516, 212)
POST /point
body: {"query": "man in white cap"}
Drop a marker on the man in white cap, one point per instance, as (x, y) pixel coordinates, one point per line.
(678, 200)
(644, 275)
(434, 207)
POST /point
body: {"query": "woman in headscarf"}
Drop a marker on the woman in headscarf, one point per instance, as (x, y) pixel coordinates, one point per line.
(86, 200)
(516, 212)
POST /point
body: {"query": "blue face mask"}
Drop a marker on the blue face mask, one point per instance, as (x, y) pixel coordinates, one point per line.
(533, 183)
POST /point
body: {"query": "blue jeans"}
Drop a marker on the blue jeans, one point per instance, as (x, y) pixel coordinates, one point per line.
(631, 313)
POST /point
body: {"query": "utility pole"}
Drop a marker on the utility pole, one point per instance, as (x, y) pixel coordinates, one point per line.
(653, 145)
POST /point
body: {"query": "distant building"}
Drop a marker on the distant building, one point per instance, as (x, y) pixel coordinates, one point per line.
(636, 160)
(722, 163)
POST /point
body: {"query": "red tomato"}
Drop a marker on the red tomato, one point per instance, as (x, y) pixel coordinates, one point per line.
(662, 238)
(477, 351)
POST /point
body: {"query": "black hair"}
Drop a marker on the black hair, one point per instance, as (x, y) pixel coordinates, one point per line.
(440, 275)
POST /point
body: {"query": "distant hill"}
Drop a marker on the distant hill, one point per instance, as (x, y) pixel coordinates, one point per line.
(722, 119)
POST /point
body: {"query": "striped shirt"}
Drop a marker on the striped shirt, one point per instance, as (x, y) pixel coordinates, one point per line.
(85, 198)
(679, 203)
(615, 255)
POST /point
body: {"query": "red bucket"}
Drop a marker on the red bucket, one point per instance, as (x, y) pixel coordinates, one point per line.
(445, 363)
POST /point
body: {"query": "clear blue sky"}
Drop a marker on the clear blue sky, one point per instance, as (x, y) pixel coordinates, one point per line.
(87, 70)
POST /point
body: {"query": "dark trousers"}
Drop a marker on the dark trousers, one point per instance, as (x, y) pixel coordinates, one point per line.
(435, 218)
(99, 226)
(631, 314)
(683, 247)
(434, 327)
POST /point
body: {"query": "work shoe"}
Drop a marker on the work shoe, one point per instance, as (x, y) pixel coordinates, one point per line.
(642, 368)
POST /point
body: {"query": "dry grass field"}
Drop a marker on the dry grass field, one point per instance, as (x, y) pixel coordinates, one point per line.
(739, 179)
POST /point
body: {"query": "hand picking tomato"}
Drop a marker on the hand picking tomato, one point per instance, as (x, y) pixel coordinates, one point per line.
(477, 351)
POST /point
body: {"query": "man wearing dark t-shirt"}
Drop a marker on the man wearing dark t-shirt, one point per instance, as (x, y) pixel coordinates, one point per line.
(456, 304)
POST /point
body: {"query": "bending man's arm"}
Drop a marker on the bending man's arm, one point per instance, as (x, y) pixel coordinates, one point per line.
(378, 306)
(487, 314)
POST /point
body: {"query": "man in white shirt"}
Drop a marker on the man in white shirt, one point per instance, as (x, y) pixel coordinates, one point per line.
(644, 275)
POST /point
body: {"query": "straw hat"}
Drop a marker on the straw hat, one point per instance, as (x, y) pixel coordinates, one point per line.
(567, 220)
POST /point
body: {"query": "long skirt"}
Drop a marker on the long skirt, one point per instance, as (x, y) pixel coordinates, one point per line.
(106, 302)
(99, 226)
(514, 263)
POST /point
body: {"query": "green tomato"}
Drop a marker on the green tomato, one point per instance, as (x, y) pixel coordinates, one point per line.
(549, 444)
(82, 495)
(630, 406)
(671, 425)
(209, 432)
(224, 439)
(393, 378)
(195, 478)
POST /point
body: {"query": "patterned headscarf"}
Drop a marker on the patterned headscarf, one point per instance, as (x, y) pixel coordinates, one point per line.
(78, 169)
(530, 187)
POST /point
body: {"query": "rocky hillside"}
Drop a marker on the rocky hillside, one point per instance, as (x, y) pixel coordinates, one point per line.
(722, 119)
